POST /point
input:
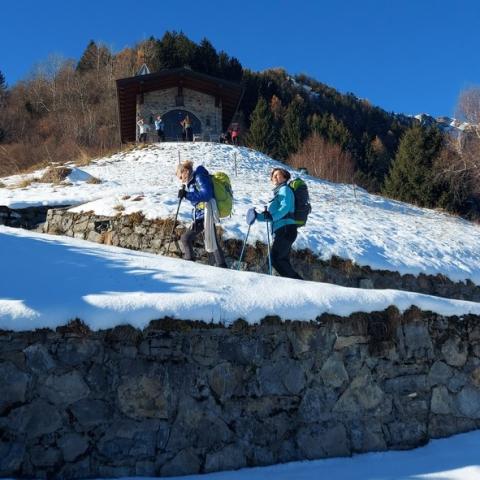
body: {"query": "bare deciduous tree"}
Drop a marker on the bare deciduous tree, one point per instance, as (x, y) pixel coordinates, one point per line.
(468, 107)
(324, 160)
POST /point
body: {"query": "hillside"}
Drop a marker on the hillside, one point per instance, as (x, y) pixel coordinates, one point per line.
(162, 351)
(346, 222)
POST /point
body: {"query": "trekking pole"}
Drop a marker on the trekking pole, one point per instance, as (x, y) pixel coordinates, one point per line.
(265, 211)
(174, 224)
(243, 248)
(250, 218)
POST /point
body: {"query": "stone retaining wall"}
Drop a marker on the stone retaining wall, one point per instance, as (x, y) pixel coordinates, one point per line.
(29, 218)
(135, 232)
(185, 397)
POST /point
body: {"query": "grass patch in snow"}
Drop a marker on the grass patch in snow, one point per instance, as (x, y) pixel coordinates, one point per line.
(55, 175)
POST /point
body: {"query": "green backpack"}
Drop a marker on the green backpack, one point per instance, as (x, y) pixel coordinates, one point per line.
(222, 190)
(302, 201)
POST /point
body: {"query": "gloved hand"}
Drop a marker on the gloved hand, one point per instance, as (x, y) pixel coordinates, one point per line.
(251, 216)
(267, 216)
(182, 193)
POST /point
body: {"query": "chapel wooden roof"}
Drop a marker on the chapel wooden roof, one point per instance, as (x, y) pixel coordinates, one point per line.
(128, 88)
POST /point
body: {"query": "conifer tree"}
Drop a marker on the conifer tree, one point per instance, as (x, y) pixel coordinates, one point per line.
(176, 50)
(206, 58)
(3, 84)
(293, 129)
(261, 133)
(411, 178)
(93, 58)
(167, 55)
(185, 50)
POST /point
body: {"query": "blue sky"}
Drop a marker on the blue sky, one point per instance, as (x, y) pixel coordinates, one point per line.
(407, 56)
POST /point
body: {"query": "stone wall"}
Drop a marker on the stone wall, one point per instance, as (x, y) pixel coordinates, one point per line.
(29, 218)
(185, 397)
(135, 232)
(200, 104)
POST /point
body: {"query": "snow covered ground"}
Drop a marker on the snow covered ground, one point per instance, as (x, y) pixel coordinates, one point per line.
(454, 458)
(352, 224)
(49, 280)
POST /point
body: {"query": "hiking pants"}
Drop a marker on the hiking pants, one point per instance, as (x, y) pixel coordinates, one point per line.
(282, 244)
(187, 239)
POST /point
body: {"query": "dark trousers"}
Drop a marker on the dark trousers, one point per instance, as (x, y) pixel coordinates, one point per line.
(161, 135)
(282, 244)
(143, 137)
(187, 239)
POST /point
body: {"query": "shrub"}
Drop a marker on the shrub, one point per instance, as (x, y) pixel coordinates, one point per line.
(55, 175)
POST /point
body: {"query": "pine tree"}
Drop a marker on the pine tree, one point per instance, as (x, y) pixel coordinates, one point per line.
(206, 58)
(185, 50)
(411, 178)
(229, 67)
(3, 84)
(293, 130)
(93, 58)
(167, 54)
(374, 165)
(261, 133)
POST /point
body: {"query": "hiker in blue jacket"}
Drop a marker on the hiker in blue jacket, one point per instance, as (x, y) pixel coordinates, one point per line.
(198, 190)
(280, 214)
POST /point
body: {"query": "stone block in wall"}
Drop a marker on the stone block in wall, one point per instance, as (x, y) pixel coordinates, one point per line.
(323, 441)
(455, 351)
(406, 385)
(439, 374)
(93, 236)
(442, 403)
(417, 341)
(406, 434)
(144, 397)
(226, 380)
(38, 359)
(445, 425)
(91, 412)
(45, 457)
(232, 457)
(457, 382)
(35, 419)
(64, 389)
(13, 386)
(316, 404)
(468, 402)
(186, 462)
(12, 455)
(283, 377)
(362, 395)
(72, 445)
(76, 351)
(367, 435)
(333, 372)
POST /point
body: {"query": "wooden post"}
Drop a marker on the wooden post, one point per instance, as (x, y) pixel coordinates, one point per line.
(235, 162)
